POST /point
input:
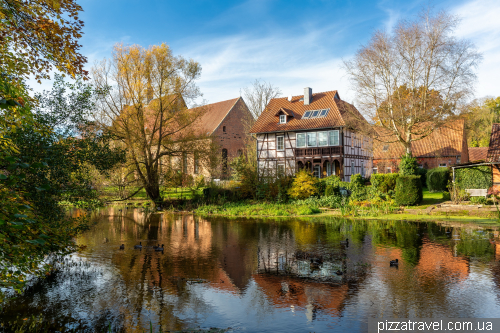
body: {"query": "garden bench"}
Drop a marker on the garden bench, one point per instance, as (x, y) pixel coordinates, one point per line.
(477, 192)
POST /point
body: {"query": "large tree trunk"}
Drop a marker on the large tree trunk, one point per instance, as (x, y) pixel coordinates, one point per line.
(153, 192)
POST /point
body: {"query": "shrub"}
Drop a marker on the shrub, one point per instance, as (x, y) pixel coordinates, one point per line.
(359, 191)
(384, 183)
(408, 165)
(437, 179)
(446, 195)
(332, 190)
(471, 178)
(408, 190)
(479, 200)
(303, 186)
(423, 176)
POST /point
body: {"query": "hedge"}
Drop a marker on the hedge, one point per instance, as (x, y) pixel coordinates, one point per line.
(408, 190)
(437, 179)
(384, 182)
(471, 178)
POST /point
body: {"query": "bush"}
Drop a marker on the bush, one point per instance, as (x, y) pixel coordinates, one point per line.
(437, 179)
(383, 183)
(474, 178)
(423, 176)
(446, 195)
(359, 191)
(303, 186)
(332, 190)
(479, 200)
(408, 190)
(408, 165)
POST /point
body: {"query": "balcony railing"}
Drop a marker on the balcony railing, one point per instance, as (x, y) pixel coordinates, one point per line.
(319, 151)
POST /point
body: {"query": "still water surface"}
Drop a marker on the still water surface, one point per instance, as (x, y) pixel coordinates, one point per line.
(256, 275)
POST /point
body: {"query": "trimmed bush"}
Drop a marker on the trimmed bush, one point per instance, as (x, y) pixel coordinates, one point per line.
(384, 183)
(408, 190)
(423, 176)
(437, 179)
(474, 178)
(408, 165)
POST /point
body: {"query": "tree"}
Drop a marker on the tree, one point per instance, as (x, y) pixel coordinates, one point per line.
(479, 116)
(257, 97)
(38, 35)
(410, 81)
(43, 160)
(142, 101)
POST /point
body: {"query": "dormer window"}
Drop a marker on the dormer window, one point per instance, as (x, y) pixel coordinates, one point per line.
(282, 118)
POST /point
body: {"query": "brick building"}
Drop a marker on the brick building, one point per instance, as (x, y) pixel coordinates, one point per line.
(224, 123)
(444, 147)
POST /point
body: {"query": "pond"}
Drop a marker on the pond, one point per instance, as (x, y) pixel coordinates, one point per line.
(255, 275)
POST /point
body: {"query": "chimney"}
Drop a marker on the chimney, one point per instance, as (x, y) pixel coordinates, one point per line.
(307, 95)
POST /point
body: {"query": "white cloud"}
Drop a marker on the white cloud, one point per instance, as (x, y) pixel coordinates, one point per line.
(481, 24)
(289, 62)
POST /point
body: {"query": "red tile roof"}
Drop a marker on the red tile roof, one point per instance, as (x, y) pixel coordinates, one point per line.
(478, 154)
(214, 114)
(337, 116)
(444, 141)
(494, 148)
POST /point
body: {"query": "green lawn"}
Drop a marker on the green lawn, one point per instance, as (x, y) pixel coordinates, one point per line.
(111, 192)
(430, 198)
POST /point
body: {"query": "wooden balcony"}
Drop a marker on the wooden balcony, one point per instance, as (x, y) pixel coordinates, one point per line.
(318, 151)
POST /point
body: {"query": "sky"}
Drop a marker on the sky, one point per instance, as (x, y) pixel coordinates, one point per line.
(291, 44)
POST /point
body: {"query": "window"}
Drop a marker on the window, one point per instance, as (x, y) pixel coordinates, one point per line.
(316, 114)
(442, 164)
(311, 139)
(184, 163)
(388, 170)
(301, 140)
(282, 118)
(374, 170)
(334, 138)
(224, 129)
(196, 164)
(458, 160)
(385, 148)
(352, 168)
(322, 139)
(281, 170)
(240, 152)
(280, 143)
(363, 168)
(316, 171)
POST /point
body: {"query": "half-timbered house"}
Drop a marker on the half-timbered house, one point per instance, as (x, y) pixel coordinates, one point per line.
(312, 132)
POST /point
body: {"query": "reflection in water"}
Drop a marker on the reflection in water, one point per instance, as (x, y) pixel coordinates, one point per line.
(275, 276)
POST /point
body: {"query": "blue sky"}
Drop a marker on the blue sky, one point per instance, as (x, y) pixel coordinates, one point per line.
(292, 44)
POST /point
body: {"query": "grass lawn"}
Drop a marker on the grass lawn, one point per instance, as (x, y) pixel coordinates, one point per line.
(111, 192)
(250, 208)
(430, 198)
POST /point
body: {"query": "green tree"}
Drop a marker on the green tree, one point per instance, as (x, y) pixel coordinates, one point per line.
(43, 163)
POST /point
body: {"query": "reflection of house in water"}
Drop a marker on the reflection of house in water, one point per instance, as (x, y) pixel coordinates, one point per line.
(439, 259)
(285, 292)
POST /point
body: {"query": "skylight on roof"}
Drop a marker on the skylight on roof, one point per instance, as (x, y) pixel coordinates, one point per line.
(315, 114)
